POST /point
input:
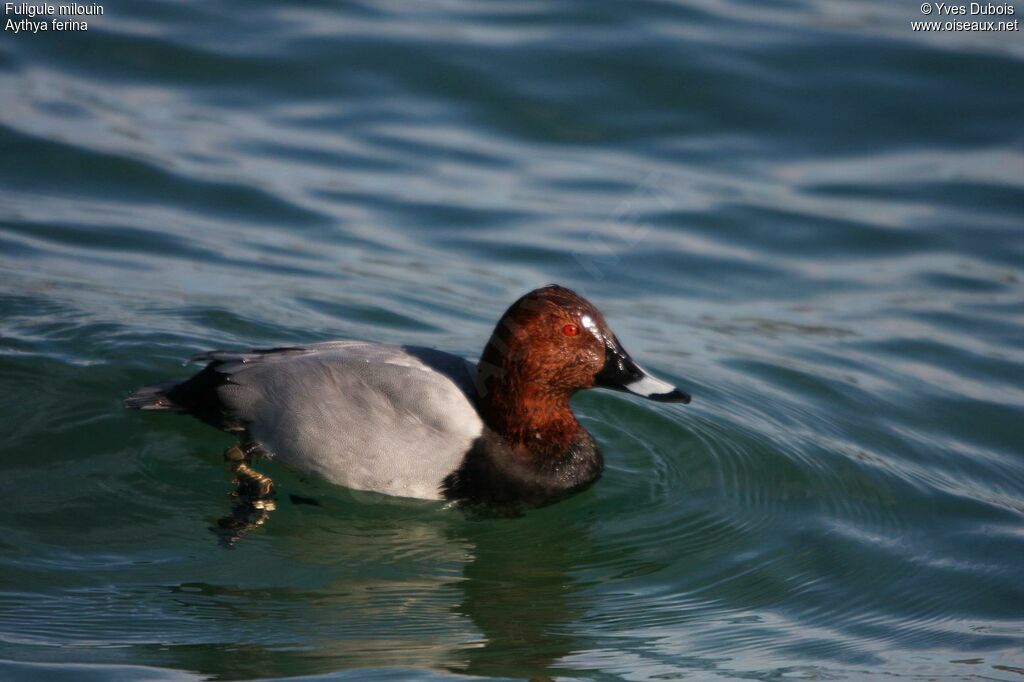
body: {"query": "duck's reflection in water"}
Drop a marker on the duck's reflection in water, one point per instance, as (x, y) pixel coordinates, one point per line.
(411, 587)
(520, 593)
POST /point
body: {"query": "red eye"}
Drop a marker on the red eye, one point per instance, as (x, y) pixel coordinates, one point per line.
(571, 329)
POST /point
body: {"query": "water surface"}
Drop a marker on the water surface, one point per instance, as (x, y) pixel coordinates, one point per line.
(805, 214)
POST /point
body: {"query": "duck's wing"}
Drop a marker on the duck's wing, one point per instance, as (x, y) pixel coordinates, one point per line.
(368, 416)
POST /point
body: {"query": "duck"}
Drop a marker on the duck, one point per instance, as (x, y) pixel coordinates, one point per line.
(416, 422)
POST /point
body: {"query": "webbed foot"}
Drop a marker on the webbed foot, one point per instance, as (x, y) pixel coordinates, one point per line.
(254, 493)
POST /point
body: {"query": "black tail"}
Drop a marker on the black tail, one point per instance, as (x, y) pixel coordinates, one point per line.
(153, 398)
(199, 394)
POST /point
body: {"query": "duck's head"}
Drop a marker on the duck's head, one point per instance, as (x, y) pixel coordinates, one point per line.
(551, 343)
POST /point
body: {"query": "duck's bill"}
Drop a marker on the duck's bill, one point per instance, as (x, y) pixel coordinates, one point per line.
(621, 373)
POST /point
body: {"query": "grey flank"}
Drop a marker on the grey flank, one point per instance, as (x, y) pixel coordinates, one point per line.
(392, 419)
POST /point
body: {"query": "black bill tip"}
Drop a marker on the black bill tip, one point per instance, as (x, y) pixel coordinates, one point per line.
(673, 396)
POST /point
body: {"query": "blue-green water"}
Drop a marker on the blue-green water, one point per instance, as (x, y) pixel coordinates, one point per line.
(806, 214)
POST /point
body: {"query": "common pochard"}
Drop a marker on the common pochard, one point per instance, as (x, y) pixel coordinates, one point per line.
(417, 422)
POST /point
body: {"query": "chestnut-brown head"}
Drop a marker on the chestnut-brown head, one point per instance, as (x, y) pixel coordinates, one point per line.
(549, 344)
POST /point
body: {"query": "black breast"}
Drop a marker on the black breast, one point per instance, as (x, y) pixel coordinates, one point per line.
(493, 477)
